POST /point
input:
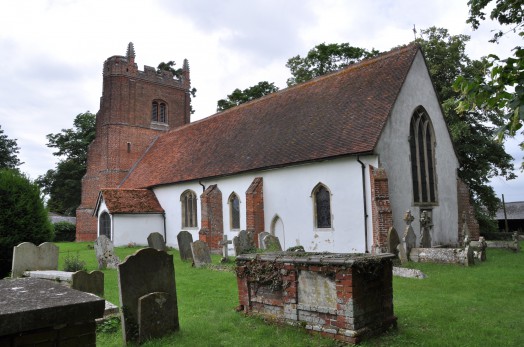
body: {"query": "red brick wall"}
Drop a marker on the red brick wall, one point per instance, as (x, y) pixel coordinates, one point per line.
(212, 231)
(255, 208)
(381, 213)
(124, 129)
(465, 206)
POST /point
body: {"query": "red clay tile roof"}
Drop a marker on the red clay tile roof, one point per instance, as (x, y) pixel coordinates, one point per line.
(131, 201)
(342, 113)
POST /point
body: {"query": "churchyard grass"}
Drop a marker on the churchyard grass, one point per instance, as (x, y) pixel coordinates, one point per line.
(455, 306)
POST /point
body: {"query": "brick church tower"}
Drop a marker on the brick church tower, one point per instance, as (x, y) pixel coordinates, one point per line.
(135, 108)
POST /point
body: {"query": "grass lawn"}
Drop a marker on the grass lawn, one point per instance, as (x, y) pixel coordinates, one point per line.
(455, 306)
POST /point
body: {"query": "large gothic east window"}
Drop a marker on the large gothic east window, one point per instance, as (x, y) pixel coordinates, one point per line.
(322, 200)
(422, 148)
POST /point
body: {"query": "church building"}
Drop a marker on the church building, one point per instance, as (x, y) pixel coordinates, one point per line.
(330, 164)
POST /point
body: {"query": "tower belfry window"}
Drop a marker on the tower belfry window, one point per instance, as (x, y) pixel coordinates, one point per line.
(159, 112)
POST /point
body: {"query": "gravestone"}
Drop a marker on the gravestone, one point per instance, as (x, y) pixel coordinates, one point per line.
(27, 257)
(243, 242)
(272, 243)
(224, 243)
(185, 239)
(105, 253)
(146, 282)
(156, 241)
(201, 254)
(92, 282)
(393, 241)
(409, 240)
(425, 225)
(261, 236)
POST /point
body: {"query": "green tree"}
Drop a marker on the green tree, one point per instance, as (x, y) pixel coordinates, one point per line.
(238, 96)
(23, 217)
(8, 152)
(325, 58)
(481, 156)
(501, 90)
(63, 184)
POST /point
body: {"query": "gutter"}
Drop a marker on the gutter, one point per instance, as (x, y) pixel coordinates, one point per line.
(365, 202)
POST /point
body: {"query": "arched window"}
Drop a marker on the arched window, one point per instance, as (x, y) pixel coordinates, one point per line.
(105, 224)
(422, 149)
(188, 200)
(234, 211)
(159, 112)
(322, 200)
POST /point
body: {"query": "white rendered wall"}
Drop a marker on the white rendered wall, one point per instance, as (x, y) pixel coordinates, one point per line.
(135, 228)
(394, 156)
(287, 193)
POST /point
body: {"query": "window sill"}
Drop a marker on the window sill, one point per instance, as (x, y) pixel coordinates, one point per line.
(323, 229)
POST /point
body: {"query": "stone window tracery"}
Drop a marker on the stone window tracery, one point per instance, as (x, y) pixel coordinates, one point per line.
(422, 150)
(105, 225)
(159, 112)
(234, 211)
(322, 201)
(188, 201)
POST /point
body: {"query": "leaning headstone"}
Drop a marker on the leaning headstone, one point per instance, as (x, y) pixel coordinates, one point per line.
(185, 239)
(392, 241)
(402, 254)
(201, 254)
(469, 258)
(272, 243)
(261, 236)
(409, 240)
(105, 253)
(27, 257)
(146, 282)
(92, 282)
(243, 242)
(156, 241)
(425, 224)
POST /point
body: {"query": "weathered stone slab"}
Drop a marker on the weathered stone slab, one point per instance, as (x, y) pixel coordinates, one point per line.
(442, 255)
(185, 239)
(53, 275)
(89, 282)
(272, 243)
(105, 253)
(28, 304)
(316, 289)
(425, 232)
(409, 240)
(392, 241)
(156, 241)
(261, 236)
(402, 254)
(157, 316)
(201, 253)
(145, 272)
(27, 257)
(409, 273)
(243, 242)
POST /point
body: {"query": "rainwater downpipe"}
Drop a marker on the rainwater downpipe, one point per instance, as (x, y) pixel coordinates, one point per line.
(365, 202)
(165, 232)
(203, 186)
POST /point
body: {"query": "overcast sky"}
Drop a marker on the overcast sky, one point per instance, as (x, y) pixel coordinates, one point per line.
(51, 52)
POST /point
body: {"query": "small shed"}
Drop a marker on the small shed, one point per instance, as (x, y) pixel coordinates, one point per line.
(515, 216)
(128, 216)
